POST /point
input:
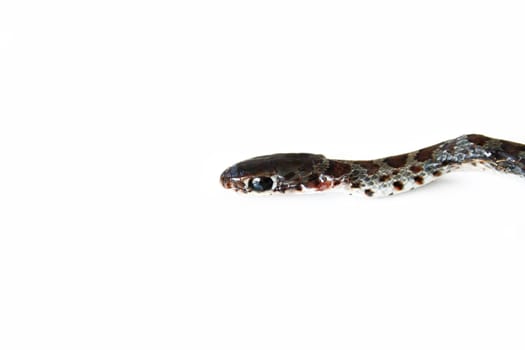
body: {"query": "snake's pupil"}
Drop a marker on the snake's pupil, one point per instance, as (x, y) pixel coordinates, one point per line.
(260, 184)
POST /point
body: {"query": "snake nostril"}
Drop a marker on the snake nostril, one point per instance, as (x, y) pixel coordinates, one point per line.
(223, 179)
(226, 178)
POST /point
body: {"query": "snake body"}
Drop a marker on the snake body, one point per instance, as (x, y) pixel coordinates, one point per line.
(305, 172)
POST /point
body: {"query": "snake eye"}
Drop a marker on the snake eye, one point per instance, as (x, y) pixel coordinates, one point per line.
(261, 184)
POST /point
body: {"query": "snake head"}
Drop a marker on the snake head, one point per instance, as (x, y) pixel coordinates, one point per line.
(281, 172)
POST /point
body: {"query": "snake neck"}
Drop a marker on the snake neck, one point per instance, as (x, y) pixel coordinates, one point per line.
(404, 172)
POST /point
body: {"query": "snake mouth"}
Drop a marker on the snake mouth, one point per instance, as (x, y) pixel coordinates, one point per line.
(226, 180)
(231, 182)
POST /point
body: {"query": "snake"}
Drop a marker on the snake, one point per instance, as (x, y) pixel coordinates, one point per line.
(307, 172)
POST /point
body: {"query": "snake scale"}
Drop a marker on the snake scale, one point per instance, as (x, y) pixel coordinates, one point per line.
(306, 172)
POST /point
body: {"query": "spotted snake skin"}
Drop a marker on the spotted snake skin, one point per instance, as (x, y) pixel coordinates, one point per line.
(305, 172)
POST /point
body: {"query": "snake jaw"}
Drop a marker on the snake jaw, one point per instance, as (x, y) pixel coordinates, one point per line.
(234, 183)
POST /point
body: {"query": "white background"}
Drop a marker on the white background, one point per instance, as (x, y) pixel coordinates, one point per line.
(117, 118)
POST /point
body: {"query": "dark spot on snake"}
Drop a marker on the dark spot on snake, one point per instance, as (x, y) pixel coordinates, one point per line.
(313, 181)
(369, 192)
(337, 168)
(324, 185)
(395, 172)
(512, 148)
(289, 176)
(356, 185)
(398, 185)
(479, 140)
(370, 167)
(437, 173)
(416, 169)
(337, 182)
(384, 178)
(426, 153)
(313, 177)
(419, 180)
(397, 161)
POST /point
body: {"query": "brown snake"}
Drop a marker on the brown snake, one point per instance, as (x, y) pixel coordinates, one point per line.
(303, 172)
